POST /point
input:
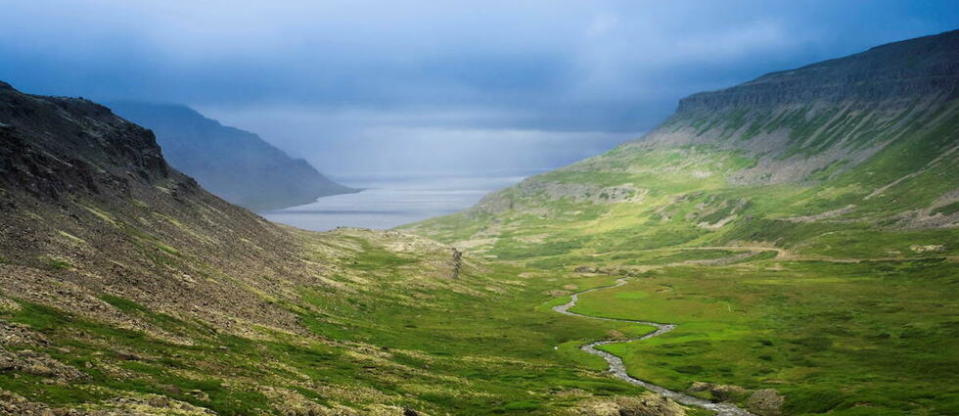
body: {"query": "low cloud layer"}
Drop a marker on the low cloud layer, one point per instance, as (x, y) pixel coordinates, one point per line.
(435, 84)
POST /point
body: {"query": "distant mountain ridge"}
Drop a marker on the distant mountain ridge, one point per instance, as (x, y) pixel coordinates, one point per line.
(234, 164)
(894, 72)
(827, 117)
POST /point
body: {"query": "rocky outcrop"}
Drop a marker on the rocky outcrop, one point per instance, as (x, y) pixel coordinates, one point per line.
(766, 402)
(53, 146)
(38, 364)
(720, 392)
(647, 404)
(12, 404)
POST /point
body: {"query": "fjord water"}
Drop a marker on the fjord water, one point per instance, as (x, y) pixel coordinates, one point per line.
(390, 200)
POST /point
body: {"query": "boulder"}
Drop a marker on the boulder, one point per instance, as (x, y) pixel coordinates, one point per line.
(647, 404)
(766, 402)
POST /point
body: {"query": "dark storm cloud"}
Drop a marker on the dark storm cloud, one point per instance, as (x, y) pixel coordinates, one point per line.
(308, 73)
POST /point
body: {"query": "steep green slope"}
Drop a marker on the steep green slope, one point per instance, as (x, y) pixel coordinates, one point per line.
(802, 229)
(235, 165)
(857, 153)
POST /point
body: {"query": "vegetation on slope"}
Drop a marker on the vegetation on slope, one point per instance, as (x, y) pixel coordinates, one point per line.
(379, 337)
(125, 288)
(800, 232)
(806, 247)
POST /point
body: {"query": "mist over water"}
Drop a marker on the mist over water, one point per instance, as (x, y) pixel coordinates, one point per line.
(388, 201)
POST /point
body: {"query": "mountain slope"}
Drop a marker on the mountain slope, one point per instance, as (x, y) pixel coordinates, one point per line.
(866, 143)
(127, 289)
(838, 112)
(79, 182)
(234, 164)
(801, 229)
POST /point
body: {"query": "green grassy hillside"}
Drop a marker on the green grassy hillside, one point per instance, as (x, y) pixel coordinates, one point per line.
(800, 228)
(861, 174)
(379, 335)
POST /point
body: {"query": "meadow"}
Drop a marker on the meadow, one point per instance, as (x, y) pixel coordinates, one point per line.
(871, 338)
(486, 343)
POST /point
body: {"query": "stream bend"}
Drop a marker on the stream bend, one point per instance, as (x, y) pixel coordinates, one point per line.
(618, 368)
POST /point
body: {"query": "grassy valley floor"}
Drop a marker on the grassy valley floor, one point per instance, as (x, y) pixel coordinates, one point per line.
(388, 337)
(870, 338)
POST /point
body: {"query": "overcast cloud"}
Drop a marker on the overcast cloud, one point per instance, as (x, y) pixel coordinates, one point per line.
(365, 85)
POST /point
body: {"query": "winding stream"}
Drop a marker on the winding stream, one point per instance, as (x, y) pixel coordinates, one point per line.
(618, 368)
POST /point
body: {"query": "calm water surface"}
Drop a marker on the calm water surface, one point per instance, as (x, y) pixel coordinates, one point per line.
(389, 202)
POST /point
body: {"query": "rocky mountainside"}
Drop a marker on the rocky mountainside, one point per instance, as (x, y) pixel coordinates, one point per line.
(109, 255)
(83, 189)
(127, 289)
(234, 164)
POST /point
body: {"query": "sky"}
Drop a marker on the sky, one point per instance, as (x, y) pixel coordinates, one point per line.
(359, 86)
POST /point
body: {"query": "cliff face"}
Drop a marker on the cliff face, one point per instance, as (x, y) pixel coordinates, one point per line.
(922, 68)
(832, 115)
(103, 154)
(234, 164)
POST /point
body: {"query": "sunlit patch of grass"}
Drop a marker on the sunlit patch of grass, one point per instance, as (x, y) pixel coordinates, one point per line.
(167, 249)
(803, 330)
(101, 214)
(55, 263)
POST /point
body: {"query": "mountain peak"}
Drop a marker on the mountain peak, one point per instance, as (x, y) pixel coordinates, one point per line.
(895, 74)
(56, 145)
